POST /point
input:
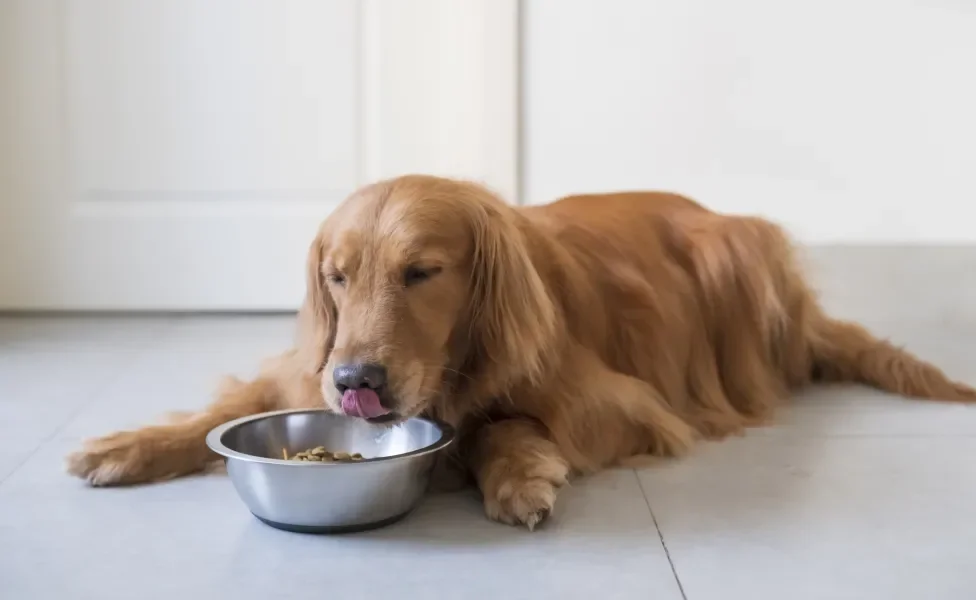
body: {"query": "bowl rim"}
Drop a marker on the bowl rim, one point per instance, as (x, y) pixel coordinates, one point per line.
(216, 444)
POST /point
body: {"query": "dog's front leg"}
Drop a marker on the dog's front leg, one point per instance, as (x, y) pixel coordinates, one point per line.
(166, 451)
(519, 470)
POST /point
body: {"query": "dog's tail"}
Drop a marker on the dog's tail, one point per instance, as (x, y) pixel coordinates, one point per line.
(847, 352)
(753, 290)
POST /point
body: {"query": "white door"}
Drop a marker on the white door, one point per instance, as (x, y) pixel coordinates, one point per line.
(179, 154)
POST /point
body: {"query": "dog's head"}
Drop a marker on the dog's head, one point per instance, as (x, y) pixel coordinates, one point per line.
(419, 287)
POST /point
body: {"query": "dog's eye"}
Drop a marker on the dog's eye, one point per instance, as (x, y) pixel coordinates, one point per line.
(415, 275)
(336, 278)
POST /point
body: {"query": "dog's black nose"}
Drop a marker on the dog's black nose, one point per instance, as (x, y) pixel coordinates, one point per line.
(361, 375)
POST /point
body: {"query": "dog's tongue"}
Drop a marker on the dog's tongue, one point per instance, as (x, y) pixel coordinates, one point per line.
(362, 402)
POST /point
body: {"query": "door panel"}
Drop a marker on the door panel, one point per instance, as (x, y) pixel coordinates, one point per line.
(217, 97)
(179, 155)
(186, 150)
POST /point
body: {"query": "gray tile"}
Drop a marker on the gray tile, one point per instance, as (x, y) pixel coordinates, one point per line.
(193, 537)
(855, 494)
(949, 344)
(102, 543)
(181, 371)
(277, 330)
(79, 333)
(43, 384)
(861, 518)
(858, 410)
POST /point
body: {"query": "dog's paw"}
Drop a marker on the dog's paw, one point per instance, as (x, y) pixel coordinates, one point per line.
(526, 502)
(120, 458)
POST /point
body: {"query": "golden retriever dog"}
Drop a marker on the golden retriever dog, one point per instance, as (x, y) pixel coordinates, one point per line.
(557, 339)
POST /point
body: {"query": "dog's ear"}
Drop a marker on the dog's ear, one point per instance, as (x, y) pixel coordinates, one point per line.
(513, 318)
(317, 316)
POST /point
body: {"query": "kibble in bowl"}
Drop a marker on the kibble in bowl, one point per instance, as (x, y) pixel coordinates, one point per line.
(320, 454)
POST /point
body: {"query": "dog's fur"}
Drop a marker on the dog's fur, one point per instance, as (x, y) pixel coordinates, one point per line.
(558, 339)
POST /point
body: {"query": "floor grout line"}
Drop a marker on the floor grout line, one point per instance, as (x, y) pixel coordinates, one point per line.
(136, 355)
(660, 535)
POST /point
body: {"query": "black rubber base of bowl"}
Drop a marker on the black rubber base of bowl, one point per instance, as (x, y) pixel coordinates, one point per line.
(332, 529)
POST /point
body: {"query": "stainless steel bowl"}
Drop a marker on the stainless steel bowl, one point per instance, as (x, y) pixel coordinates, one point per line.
(314, 497)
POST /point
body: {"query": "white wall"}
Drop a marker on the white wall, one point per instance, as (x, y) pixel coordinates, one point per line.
(845, 120)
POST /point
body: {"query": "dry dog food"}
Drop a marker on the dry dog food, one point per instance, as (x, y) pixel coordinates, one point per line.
(320, 454)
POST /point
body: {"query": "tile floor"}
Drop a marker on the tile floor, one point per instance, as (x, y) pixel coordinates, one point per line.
(853, 495)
